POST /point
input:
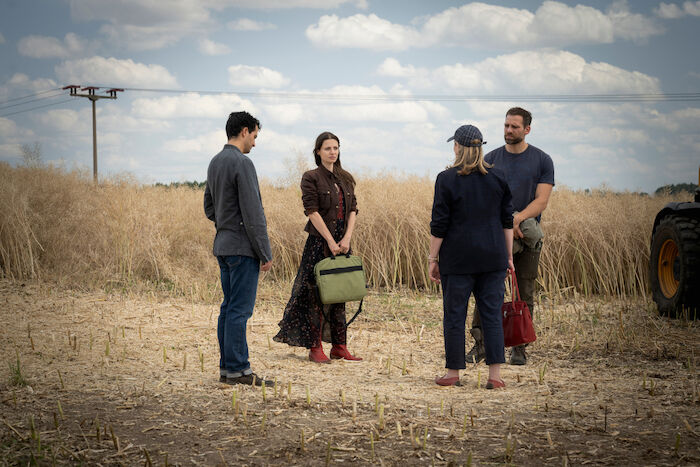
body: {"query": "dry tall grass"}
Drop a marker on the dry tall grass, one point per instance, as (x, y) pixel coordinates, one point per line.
(56, 225)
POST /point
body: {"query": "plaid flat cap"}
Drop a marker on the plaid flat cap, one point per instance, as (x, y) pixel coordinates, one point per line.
(466, 134)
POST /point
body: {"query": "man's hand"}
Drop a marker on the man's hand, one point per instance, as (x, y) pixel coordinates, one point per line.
(434, 271)
(517, 219)
(266, 266)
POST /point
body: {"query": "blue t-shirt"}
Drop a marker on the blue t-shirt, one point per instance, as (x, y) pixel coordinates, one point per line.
(523, 172)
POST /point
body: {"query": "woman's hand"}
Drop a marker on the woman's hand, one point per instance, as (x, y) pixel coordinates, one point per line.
(335, 249)
(511, 266)
(344, 245)
(434, 271)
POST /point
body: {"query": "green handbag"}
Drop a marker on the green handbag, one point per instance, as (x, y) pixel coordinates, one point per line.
(340, 279)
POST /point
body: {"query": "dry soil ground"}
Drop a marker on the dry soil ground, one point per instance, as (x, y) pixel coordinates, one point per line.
(97, 378)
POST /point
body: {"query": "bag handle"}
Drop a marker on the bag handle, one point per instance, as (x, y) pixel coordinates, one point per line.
(347, 255)
(514, 290)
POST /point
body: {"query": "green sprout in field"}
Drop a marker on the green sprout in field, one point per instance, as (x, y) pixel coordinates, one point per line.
(16, 376)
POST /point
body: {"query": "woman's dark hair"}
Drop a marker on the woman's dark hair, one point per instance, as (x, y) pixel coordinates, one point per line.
(338, 170)
(239, 120)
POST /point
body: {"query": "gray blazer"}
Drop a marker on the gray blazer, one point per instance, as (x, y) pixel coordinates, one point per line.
(232, 201)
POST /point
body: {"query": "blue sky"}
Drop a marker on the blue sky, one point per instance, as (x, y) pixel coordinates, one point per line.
(373, 72)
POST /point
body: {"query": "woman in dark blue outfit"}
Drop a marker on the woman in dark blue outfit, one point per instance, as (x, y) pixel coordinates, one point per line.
(470, 250)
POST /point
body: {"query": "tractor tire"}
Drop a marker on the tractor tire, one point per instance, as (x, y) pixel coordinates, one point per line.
(674, 266)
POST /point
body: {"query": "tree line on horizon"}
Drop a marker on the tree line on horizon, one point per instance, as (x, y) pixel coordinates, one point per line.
(672, 189)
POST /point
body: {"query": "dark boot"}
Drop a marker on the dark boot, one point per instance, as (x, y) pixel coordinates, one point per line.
(477, 352)
(518, 356)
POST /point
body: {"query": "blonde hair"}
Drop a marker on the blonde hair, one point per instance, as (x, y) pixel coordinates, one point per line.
(470, 158)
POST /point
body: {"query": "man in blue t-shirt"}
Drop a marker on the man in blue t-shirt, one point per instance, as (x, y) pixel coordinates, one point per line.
(530, 175)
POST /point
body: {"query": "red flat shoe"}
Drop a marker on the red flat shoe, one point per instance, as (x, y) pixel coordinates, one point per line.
(447, 381)
(495, 384)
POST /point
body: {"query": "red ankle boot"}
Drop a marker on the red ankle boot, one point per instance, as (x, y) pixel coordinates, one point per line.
(316, 355)
(341, 351)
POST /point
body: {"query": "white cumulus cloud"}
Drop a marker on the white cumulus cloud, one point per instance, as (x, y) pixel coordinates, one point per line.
(61, 119)
(692, 8)
(209, 47)
(190, 105)
(255, 76)
(479, 25)
(246, 24)
(286, 113)
(20, 80)
(2, 38)
(539, 72)
(675, 11)
(392, 67)
(112, 71)
(144, 24)
(285, 4)
(50, 47)
(360, 103)
(206, 144)
(154, 24)
(361, 31)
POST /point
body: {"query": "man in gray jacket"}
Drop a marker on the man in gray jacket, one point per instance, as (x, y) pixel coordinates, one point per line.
(232, 201)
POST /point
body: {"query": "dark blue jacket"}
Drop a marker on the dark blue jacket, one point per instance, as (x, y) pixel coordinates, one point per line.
(469, 214)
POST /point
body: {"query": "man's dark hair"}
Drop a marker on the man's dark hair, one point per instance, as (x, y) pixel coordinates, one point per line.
(239, 120)
(527, 116)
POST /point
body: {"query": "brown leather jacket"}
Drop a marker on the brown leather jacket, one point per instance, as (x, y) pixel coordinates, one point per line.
(319, 195)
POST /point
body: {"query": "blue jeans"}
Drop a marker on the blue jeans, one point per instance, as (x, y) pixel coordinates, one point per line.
(239, 281)
(488, 288)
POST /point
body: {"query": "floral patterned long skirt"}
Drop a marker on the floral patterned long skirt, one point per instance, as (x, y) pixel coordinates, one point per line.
(306, 320)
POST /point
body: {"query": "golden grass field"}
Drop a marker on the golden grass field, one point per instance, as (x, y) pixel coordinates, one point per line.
(109, 301)
(121, 234)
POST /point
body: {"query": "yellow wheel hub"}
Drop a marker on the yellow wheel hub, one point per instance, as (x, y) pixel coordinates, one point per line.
(667, 257)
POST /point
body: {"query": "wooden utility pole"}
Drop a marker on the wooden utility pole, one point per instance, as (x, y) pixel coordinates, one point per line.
(93, 96)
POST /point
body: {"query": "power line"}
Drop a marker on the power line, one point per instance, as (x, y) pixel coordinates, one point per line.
(31, 101)
(31, 95)
(618, 97)
(37, 107)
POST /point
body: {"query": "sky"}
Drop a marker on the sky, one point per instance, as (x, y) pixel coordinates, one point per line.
(393, 79)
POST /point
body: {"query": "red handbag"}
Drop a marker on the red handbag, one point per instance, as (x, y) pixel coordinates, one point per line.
(517, 321)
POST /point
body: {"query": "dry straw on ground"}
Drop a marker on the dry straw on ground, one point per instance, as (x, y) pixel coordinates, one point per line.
(132, 380)
(121, 234)
(107, 336)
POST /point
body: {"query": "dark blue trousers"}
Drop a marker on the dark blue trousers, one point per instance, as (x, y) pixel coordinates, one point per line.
(239, 282)
(488, 289)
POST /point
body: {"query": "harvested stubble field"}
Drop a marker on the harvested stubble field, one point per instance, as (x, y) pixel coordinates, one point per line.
(131, 379)
(108, 307)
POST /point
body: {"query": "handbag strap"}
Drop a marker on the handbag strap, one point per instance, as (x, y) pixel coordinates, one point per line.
(514, 290)
(359, 310)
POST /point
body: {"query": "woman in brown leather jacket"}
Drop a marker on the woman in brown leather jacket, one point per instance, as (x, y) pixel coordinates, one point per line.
(328, 195)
